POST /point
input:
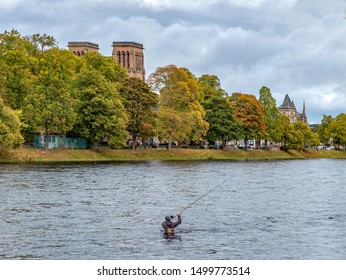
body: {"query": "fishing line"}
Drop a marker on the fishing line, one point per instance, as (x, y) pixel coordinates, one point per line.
(199, 198)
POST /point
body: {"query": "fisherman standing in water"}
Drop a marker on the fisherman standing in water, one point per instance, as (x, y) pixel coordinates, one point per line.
(169, 226)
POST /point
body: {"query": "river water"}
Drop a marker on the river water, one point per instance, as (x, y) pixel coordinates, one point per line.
(290, 209)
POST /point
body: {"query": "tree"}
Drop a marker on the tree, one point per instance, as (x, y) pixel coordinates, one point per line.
(297, 135)
(210, 86)
(106, 66)
(41, 42)
(295, 139)
(17, 67)
(12, 40)
(308, 138)
(51, 108)
(338, 130)
(171, 125)
(139, 102)
(222, 124)
(10, 136)
(180, 115)
(272, 116)
(101, 115)
(219, 114)
(3, 78)
(324, 130)
(249, 111)
(287, 131)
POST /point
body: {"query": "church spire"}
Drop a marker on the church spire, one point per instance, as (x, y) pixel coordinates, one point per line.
(305, 119)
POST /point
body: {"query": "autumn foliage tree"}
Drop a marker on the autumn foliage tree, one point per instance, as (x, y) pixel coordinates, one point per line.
(249, 111)
(181, 117)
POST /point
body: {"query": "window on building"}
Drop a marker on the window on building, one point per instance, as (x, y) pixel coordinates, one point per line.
(127, 60)
(123, 58)
(118, 57)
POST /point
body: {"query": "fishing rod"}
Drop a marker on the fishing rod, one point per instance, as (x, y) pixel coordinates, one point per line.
(199, 198)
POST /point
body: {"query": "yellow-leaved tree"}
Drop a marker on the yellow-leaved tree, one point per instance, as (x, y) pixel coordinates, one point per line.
(249, 111)
(181, 117)
(10, 136)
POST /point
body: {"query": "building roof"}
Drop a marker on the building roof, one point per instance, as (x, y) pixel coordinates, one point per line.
(83, 44)
(288, 104)
(127, 44)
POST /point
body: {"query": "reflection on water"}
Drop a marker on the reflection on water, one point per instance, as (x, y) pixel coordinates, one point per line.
(259, 210)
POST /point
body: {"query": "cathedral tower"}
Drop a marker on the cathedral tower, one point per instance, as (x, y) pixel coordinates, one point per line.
(130, 56)
(80, 48)
(289, 109)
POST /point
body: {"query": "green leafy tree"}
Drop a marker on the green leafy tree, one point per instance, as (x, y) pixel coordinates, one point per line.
(51, 108)
(338, 130)
(210, 86)
(249, 111)
(219, 114)
(298, 135)
(295, 139)
(282, 126)
(314, 140)
(12, 40)
(272, 118)
(17, 68)
(139, 102)
(101, 115)
(309, 138)
(171, 125)
(287, 132)
(106, 66)
(324, 130)
(181, 117)
(3, 78)
(42, 42)
(10, 136)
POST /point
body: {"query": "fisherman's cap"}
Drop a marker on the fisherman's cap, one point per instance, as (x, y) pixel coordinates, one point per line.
(168, 218)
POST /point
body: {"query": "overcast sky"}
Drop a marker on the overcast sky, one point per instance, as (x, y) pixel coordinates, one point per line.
(294, 47)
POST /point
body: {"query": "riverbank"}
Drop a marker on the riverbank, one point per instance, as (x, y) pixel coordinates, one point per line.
(66, 155)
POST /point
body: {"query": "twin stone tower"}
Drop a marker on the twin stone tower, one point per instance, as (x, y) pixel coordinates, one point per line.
(128, 54)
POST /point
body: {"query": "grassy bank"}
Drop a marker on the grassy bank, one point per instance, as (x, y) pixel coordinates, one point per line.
(65, 155)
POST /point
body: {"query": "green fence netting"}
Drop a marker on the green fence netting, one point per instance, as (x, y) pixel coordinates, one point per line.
(55, 142)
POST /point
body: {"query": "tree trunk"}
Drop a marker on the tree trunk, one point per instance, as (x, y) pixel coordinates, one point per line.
(169, 144)
(245, 144)
(223, 145)
(46, 144)
(134, 140)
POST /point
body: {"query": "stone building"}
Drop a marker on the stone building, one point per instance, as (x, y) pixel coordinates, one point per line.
(289, 109)
(130, 56)
(80, 48)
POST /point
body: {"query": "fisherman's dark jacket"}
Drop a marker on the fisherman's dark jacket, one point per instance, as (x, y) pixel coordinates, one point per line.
(170, 224)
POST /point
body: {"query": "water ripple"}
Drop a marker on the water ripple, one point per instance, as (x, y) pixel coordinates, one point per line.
(261, 210)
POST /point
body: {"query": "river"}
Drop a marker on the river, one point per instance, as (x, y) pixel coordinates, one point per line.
(283, 209)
